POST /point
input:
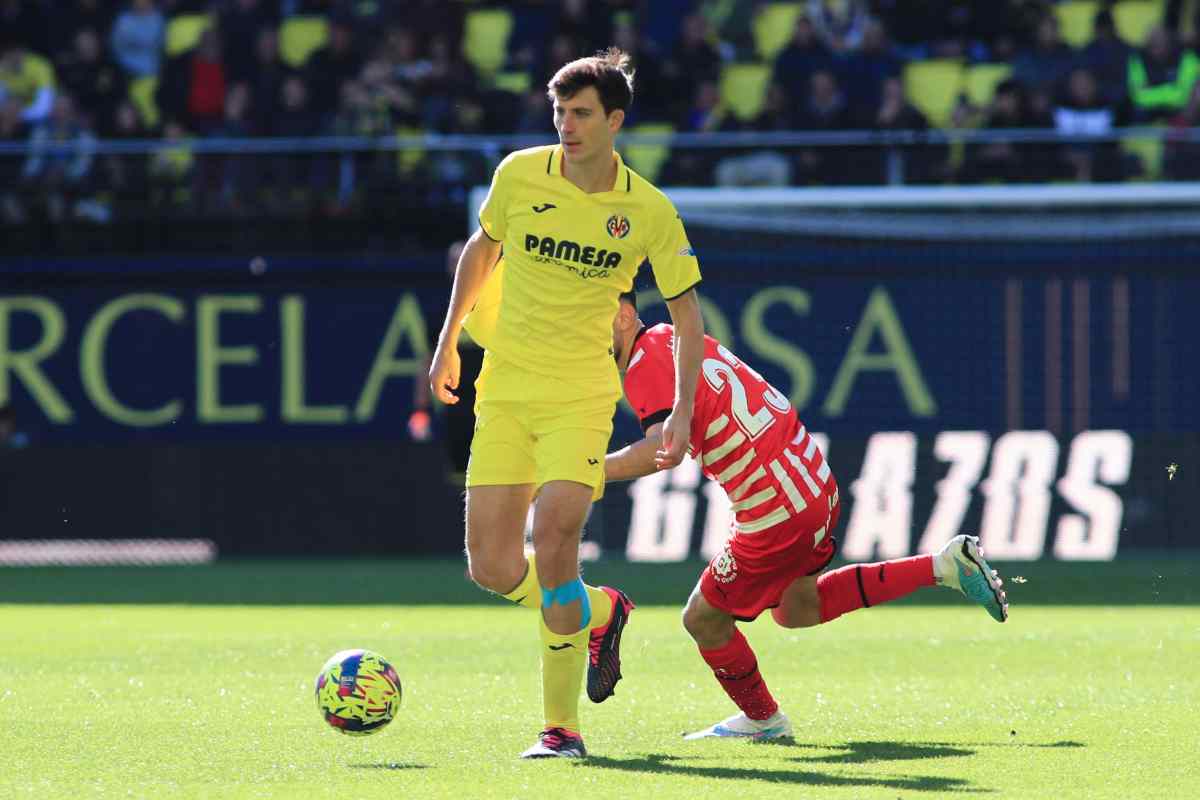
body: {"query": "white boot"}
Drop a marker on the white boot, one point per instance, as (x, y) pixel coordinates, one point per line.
(739, 726)
(960, 565)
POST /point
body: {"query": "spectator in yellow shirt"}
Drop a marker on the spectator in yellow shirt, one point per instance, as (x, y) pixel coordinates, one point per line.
(27, 82)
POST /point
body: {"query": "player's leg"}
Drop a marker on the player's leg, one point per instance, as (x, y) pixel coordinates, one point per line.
(558, 517)
(570, 609)
(959, 565)
(734, 665)
(500, 487)
(799, 605)
(811, 600)
(580, 624)
(496, 542)
(570, 466)
(808, 600)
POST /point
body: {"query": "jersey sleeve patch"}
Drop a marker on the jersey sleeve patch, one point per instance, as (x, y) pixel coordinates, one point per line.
(676, 268)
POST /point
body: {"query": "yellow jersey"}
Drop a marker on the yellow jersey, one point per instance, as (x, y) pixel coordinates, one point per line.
(548, 306)
(32, 74)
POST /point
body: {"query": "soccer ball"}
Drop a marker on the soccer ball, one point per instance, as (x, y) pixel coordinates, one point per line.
(358, 692)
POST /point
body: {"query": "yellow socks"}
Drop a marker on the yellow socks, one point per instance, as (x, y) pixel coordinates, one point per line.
(564, 659)
(564, 656)
(602, 606)
(528, 592)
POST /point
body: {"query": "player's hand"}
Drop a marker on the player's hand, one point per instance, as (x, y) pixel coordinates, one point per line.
(676, 432)
(443, 374)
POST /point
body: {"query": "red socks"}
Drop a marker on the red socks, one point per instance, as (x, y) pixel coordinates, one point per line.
(736, 669)
(843, 590)
(864, 585)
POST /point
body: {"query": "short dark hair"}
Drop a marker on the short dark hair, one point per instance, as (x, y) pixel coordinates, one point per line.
(609, 71)
(630, 297)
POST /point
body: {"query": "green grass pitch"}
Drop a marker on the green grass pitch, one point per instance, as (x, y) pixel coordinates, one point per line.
(196, 695)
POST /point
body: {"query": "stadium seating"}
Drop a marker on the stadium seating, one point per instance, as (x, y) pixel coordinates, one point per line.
(183, 32)
(1187, 17)
(981, 80)
(1075, 21)
(515, 82)
(409, 160)
(1149, 153)
(933, 87)
(1135, 18)
(647, 159)
(300, 37)
(141, 94)
(485, 38)
(39, 68)
(743, 89)
(773, 26)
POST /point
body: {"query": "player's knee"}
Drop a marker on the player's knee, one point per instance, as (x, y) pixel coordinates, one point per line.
(792, 619)
(692, 622)
(706, 629)
(494, 575)
(479, 573)
(551, 539)
(800, 605)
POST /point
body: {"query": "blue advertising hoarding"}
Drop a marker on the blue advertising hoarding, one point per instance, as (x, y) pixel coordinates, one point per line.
(1039, 406)
(291, 354)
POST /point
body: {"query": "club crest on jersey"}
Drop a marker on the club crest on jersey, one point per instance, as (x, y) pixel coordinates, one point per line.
(618, 226)
(724, 567)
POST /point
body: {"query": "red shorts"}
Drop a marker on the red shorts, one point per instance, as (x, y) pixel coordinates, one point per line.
(750, 575)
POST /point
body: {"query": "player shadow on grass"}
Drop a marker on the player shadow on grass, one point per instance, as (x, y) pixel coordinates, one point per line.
(870, 752)
(661, 763)
(389, 765)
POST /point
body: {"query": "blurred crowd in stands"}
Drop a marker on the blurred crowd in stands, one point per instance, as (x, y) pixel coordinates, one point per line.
(76, 71)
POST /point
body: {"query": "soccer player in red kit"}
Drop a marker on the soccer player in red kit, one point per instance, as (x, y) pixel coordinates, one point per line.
(747, 437)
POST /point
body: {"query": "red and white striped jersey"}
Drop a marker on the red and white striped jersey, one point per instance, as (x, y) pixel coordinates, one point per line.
(745, 433)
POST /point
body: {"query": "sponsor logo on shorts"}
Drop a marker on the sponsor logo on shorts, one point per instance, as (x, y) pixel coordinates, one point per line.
(724, 567)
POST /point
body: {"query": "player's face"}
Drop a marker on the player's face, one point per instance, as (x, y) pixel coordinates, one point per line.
(583, 128)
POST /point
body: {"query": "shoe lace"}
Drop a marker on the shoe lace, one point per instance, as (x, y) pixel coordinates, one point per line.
(594, 642)
(556, 738)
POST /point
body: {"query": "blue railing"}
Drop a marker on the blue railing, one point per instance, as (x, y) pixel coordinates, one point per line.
(494, 144)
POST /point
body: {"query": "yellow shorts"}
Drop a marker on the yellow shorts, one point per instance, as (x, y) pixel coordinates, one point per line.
(537, 441)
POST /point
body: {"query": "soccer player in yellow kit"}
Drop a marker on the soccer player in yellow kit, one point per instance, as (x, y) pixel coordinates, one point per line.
(562, 234)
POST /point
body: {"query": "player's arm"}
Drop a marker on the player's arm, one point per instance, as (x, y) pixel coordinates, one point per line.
(637, 460)
(689, 352)
(478, 258)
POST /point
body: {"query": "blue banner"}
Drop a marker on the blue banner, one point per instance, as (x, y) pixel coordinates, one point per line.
(294, 354)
